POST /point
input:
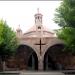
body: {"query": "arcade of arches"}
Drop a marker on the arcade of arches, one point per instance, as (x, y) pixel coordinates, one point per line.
(27, 58)
(53, 59)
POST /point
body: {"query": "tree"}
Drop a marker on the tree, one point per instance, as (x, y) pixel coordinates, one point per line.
(8, 41)
(67, 34)
(65, 17)
(65, 14)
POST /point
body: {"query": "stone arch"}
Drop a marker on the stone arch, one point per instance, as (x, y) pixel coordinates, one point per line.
(51, 43)
(25, 54)
(30, 45)
(51, 57)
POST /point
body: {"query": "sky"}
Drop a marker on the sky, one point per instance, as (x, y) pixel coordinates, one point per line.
(22, 13)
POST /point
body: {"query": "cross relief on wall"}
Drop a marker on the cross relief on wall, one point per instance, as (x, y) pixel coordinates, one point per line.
(40, 45)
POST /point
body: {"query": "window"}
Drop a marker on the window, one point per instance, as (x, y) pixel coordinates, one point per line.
(39, 27)
(38, 17)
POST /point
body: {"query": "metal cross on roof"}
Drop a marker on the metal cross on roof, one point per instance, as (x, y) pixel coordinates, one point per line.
(38, 10)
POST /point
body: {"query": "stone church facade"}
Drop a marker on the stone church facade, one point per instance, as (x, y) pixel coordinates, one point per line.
(39, 40)
(39, 48)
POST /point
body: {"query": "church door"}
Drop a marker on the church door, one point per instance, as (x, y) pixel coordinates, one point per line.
(49, 64)
(33, 62)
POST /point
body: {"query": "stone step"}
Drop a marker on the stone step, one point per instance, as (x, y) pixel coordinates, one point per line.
(65, 72)
(41, 73)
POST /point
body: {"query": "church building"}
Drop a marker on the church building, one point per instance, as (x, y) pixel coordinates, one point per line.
(39, 48)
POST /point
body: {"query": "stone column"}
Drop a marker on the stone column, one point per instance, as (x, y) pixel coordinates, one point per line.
(40, 64)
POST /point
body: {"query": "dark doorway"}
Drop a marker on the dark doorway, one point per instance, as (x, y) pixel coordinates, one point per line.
(33, 62)
(27, 58)
(49, 64)
(52, 56)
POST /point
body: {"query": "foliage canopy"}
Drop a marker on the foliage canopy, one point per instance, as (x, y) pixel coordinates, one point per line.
(65, 18)
(65, 14)
(8, 41)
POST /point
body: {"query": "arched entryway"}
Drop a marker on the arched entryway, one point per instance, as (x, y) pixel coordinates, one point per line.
(51, 57)
(27, 58)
